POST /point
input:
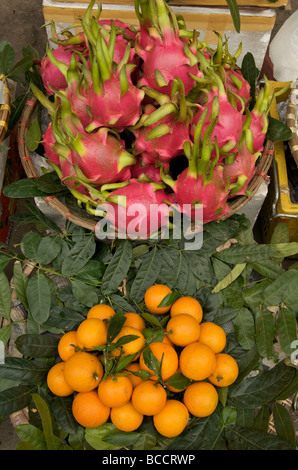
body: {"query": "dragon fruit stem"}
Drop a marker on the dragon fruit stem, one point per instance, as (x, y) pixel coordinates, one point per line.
(160, 113)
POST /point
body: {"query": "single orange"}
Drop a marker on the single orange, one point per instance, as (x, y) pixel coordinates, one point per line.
(225, 372)
(135, 379)
(167, 358)
(132, 347)
(201, 399)
(126, 418)
(149, 397)
(187, 305)
(88, 410)
(183, 329)
(115, 391)
(197, 361)
(67, 345)
(213, 336)
(134, 320)
(56, 381)
(101, 311)
(83, 371)
(154, 296)
(172, 419)
(91, 332)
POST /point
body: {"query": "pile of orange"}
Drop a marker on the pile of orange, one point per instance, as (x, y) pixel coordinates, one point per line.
(191, 347)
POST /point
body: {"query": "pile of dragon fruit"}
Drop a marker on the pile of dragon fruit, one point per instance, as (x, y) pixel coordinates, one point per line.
(150, 113)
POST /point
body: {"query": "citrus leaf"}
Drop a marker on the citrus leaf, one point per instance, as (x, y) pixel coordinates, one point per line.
(283, 424)
(146, 275)
(35, 345)
(234, 10)
(48, 249)
(78, 256)
(117, 268)
(85, 294)
(23, 370)
(39, 297)
(20, 283)
(242, 438)
(5, 297)
(30, 243)
(265, 328)
(16, 398)
(245, 328)
(286, 329)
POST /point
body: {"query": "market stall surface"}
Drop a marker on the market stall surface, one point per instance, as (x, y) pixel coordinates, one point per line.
(20, 25)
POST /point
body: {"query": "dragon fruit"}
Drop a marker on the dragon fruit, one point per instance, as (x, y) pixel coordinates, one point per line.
(48, 141)
(229, 125)
(259, 118)
(101, 157)
(136, 204)
(202, 181)
(165, 55)
(141, 171)
(52, 77)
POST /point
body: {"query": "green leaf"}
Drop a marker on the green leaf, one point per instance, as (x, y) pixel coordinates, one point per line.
(242, 438)
(246, 253)
(233, 6)
(17, 107)
(62, 413)
(31, 435)
(20, 283)
(283, 424)
(146, 275)
(53, 442)
(48, 249)
(39, 297)
(285, 250)
(64, 318)
(26, 187)
(117, 268)
(20, 67)
(95, 437)
(16, 398)
(85, 294)
(5, 297)
(283, 289)
(24, 370)
(115, 325)
(120, 304)
(33, 136)
(179, 381)
(78, 256)
(277, 130)
(40, 216)
(245, 328)
(169, 299)
(261, 421)
(250, 73)
(286, 329)
(268, 268)
(118, 438)
(7, 58)
(261, 389)
(5, 334)
(30, 243)
(233, 274)
(35, 345)
(4, 261)
(265, 326)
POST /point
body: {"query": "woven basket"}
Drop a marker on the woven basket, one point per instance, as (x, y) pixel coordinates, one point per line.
(4, 110)
(235, 204)
(292, 121)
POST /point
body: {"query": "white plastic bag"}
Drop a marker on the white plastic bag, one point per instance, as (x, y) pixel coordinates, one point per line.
(283, 50)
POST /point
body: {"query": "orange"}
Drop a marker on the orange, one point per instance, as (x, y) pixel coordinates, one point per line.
(134, 367)
(201, 399)
(187, 305)
(135, 320)
(213, 335)
(172, 419)
(83, 371)
(225, 372)
(91, 332)
(149, 398)
(166, 356)
(88, 410)
(101, 311)
(115, 391)
(126, 418)
(56, 381)
(67, 344)
(197, 361)
(166, 339)
(183, 329)
(134, 346)
(154, 296)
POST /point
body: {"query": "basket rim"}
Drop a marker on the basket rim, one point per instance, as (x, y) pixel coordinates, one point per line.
(235, 204)
(5, 109)
(291, 120)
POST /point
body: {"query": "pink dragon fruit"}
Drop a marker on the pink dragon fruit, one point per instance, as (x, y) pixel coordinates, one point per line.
(201, 182)
(52, 77)
(238, 173)
(101, 158)
(162, 140)
(165, 55)
(135, 205)
(124, 35)
(141, 171)
(228, 128)
(235, 82)
(48, 141)
(259, 118)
